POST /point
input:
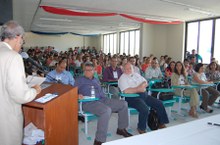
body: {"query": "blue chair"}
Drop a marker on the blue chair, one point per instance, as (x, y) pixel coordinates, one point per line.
(130, 110)
(87, 115)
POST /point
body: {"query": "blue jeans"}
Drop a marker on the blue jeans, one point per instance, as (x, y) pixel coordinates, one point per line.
(142, 104)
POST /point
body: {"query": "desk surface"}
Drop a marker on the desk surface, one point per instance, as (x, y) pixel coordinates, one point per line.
(196, 132)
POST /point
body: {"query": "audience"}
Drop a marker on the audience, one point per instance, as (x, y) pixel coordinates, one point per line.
(129, 82)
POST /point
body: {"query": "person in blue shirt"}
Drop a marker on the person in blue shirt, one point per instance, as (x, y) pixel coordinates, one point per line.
(196, 55)
(104, 107)
(60, 75)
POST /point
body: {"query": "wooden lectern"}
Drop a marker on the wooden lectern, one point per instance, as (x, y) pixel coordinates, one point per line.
(58, 117)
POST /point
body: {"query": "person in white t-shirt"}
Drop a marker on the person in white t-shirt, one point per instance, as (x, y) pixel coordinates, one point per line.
(209, 94)
(131, 82)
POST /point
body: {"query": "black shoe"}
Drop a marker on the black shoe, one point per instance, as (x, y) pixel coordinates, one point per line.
(206, 110)
(141, 131)
(97, 142)
(81, 118)
(123, 132)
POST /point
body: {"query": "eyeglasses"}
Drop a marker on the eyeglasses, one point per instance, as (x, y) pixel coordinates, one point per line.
(89, 70)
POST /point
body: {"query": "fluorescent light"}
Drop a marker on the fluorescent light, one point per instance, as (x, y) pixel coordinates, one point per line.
(201, 11)
(164, 19)
(177, 3)
(57, 20)
(190, 7)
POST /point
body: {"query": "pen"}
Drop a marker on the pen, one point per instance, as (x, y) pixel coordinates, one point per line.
(215, 124)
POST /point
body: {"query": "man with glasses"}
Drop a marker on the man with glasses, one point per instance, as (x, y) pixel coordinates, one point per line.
(13, 88)
(104, 107)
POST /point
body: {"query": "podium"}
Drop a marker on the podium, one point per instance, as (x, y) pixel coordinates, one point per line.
(57, 117)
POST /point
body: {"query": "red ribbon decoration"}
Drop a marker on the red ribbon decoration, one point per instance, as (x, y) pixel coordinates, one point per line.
(149, 21)
(61, 11)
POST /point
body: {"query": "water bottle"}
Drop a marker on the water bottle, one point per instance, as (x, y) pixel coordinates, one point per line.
(92, 92)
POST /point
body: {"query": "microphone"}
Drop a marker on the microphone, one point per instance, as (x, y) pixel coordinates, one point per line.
(54, 79)
(34, 63)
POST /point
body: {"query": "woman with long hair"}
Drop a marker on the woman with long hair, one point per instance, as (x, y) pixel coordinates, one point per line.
(209, 94)
(179, 78)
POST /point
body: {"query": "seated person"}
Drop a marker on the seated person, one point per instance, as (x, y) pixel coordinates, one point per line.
(190, 71)
(131, 82)
(200, 78)
(179, 78)
(104, 107)
(153, 71)
(111, 74)
(213, 73)
(132, 60)
(60, 75)
(170, 69)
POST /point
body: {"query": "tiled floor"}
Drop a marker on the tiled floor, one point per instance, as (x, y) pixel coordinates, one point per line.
(88, 140)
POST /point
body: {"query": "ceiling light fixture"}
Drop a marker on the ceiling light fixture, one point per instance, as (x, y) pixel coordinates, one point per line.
(57, 20)
(190, 7)
(177, 3)
(201, 11)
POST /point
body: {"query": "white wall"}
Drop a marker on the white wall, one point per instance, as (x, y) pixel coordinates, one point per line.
(147, 41)
(163, 39)
(60, 42)
(175, 42)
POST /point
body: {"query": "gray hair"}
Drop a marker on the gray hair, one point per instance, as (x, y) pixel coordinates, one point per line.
(10, 30)
(88, 64)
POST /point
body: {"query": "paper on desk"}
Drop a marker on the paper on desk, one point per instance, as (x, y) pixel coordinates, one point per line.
(34, 80)
(46, 98)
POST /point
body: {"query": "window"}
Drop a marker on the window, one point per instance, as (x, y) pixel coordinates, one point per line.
(192, 36)
(203, 36)
(110, 43)
(130, 42)
(205, 40)
(217, 42)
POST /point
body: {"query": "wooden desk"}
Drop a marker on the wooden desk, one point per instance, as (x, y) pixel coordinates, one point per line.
(58, 117)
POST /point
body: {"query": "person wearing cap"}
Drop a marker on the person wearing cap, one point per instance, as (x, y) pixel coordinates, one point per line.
(14, 90)
(153, 72)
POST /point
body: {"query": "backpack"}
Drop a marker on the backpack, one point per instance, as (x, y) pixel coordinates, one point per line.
(153, 121)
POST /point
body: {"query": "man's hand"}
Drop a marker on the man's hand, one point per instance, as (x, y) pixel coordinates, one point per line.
(142, 87)
(81, 96)
(37, 88)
